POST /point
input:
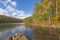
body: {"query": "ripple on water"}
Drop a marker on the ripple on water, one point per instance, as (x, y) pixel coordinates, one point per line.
(20, 29)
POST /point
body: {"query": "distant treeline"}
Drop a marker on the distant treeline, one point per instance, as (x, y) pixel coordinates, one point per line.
(7, 19)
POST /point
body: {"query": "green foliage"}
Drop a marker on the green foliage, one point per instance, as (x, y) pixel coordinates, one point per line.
(7, 19)
(46, 10)
(28, 20)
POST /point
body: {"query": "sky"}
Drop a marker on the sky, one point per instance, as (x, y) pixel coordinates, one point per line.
(17, 8)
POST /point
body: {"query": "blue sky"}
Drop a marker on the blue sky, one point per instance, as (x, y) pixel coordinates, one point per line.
(17, 8)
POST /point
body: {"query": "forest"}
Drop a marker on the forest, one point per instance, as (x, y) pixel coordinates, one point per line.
(7, 19)
(45, 20)
(46, 12)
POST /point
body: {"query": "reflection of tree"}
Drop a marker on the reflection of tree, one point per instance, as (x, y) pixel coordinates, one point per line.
(4, 26)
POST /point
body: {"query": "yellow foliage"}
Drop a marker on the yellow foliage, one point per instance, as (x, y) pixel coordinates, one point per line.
(55, 18)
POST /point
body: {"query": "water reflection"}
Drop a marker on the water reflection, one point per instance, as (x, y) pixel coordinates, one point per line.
(21, 29)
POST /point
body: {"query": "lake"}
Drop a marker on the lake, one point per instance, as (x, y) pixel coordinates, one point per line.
(8, 29)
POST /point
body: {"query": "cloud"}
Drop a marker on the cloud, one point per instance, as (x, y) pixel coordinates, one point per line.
(3, 12)
(11, 11)
(16, 14)
(4, 3)
(13, 3)
(8, 0)
(20, 14)
(10, 8)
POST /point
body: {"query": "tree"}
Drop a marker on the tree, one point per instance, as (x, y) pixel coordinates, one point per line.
(46, 11)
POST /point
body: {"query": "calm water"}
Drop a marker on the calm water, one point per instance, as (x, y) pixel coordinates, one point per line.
(7, 30)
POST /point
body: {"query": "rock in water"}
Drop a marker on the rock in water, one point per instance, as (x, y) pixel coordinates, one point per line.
(18, 37)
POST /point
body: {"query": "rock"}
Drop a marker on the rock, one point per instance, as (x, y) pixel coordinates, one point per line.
(18, 37)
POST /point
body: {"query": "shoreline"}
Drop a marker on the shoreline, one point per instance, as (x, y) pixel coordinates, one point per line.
(45, 25)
